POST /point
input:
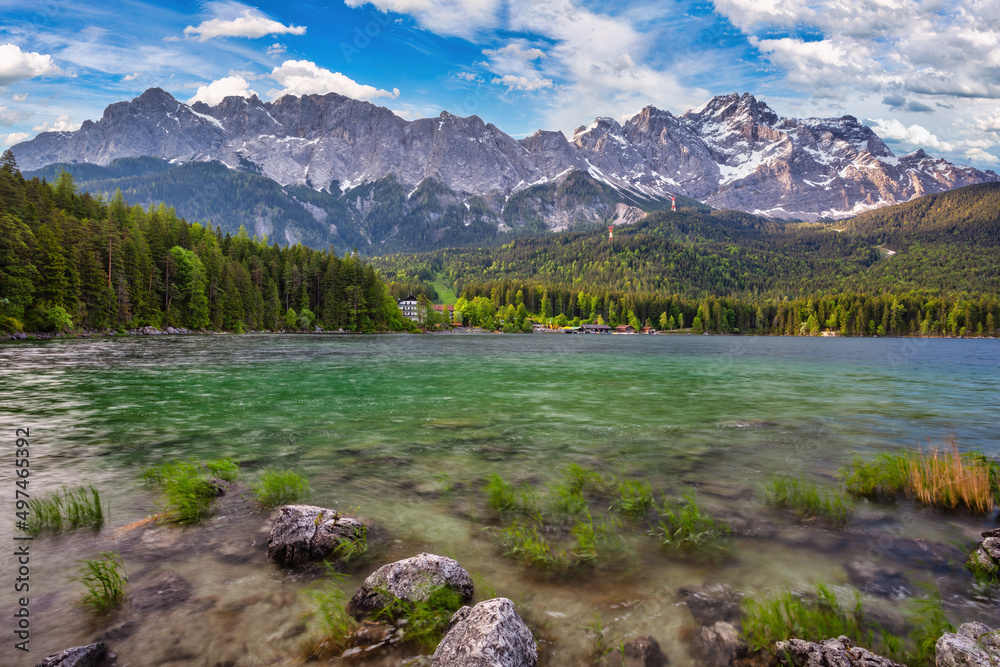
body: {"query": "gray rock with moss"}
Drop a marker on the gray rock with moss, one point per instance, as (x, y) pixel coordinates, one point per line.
(491, 634)
(411, 579)
(984, 561)
(304, 533)
(974, 645)
(839, 652)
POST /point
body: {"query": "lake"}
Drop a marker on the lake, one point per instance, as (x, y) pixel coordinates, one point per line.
(404, 431)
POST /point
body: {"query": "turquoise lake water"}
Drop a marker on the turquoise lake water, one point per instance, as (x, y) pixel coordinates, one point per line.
(404, 430)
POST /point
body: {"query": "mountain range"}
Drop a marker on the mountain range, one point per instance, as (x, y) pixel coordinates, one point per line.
(331, 170)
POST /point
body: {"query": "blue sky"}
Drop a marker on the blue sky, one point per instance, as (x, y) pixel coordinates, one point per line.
(922, 73)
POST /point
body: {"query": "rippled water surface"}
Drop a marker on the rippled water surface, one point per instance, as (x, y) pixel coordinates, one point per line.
(404, 430)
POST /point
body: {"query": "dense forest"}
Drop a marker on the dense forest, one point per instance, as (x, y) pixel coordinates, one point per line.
(71, 261)
(927, 267)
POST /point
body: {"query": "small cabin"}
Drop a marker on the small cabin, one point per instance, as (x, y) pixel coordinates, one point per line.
(595, 329)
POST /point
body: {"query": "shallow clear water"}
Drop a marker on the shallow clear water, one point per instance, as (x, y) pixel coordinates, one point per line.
(404, 430)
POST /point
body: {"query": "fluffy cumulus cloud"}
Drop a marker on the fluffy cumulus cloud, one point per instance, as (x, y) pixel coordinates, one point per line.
(917, 56)
(522, 82)
(232, 19)
(13, 138)
(213, 93)
(455, 18)
(302, 77)
(60, 124)
(19, 97)
(913, 135)
(17, 65)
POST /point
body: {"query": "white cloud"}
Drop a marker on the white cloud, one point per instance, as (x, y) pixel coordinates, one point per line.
(821, 65)
(61, 124)
(466, 76)
(13, 138)
(8, 118)
(522, 83)
(982, 157)
(233, 19)
(19, 97)
(275, 50)
(914, 135)
(457, 18)
(302, 77)
(17, 65)
(131, 77)
(213, 93)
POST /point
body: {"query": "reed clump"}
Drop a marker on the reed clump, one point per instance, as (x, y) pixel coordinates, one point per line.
(685, 527)
(66, 510)
(331, 624)
(808, 500)
(280, 487)
(940, 478)
(188, 490)
(105, 580)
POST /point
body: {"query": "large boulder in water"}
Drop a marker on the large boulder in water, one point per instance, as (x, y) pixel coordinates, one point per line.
(304, 533)
(491, 634)
(974, 645)
(830, 653)
(411, 579)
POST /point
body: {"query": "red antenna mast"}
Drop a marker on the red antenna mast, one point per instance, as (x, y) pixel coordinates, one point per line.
(673, 202)
(611, 232)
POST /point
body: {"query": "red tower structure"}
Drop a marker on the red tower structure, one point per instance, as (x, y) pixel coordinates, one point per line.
(611, 232)
(673, 202)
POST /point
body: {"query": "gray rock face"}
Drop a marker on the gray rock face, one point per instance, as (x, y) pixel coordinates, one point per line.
(839, 652)
(734, 152)
(304, 533)
(491, 634)
(410, 579)
(974, 645)
(92, 655)
(985, 558)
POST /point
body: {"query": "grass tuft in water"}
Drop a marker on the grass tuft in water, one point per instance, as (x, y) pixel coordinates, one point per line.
(938, 478)
(522, 540)
(426, 620)
(685, 527)
(565, 499)
(331, 625)
(585, 480)
(280, 487)
(808, 500)
(505, 498)
(105, 581)
(66, 510)
(224, 469)
(785, 615)
(355, 549)
(634, 498)
(596, 542)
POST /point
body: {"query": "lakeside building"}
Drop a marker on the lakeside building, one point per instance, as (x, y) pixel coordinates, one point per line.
(447, 311)
(409, 307)
(595, 329)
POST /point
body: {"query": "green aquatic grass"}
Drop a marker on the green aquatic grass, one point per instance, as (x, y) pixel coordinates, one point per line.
(504, 498)
(633, 499)
(808, 500)
(331, 624)
(685, 527)
(352, 550)
(564, 499)
(782, 616)
(105, 580)
(596, 542)
(224, 469)
(66, 510)
(585, 480)
(187, 491)
(522, 540)
(426, 620)
(280, 487)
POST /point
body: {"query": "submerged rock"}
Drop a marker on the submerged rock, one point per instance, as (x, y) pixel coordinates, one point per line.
(711, 603)
(719, 644)
(167, 590)
(410, 579)
(644, 652)
(491, 634)
(869, 577)
(92, 655)
(974, 645)
(304, 533)
(839, 652)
